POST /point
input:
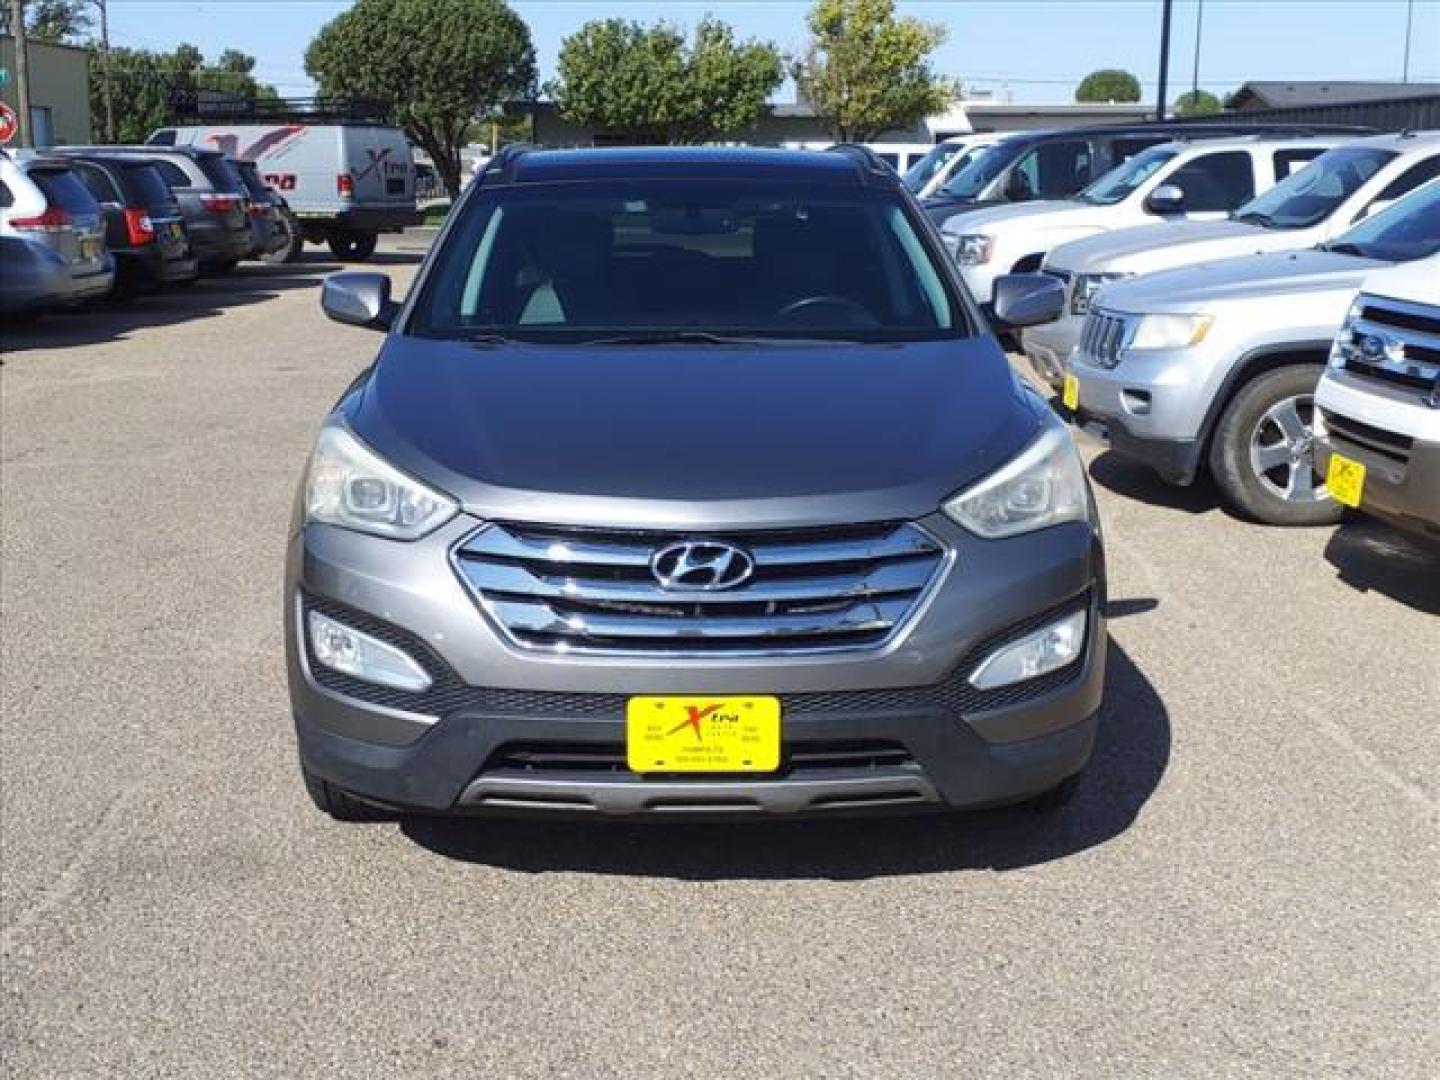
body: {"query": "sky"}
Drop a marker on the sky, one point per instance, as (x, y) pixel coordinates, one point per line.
(1036, 49)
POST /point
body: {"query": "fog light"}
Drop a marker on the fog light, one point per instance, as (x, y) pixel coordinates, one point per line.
(1048, 649)
(349, 651)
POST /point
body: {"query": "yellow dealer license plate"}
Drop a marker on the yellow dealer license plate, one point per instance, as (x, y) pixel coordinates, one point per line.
(702, 734)
(1346, 480)
(1071, 394)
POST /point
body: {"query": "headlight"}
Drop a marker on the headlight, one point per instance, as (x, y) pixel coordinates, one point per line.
(973, 249)
(1086, 286)
(1043, 486)
(349, 485)
(1170, 331)
(1345, 340)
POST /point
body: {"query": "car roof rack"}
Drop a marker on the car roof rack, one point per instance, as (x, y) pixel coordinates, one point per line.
(193, 107)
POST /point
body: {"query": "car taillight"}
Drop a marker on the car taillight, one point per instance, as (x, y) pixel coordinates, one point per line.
(257, 209)
(52, 220)
(345, 185)
(139, 227)
(218, 204)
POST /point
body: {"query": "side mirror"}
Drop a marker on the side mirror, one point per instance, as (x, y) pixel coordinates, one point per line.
(1165, 199)
(359, 299)
(1028, 299)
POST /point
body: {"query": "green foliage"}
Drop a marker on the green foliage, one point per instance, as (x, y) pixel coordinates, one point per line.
(1107, 85)
(638, 84)
(440, 63)
(142, 82)
(865, 71)
(1202, 103)
(57, 22)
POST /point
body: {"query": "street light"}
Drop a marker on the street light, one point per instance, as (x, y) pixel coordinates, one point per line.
(1164, 58)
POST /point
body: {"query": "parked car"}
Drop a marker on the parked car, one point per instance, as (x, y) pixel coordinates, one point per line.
(794, 538)
(1174, 181)
(1058, 162)
(345, 183)
(1316, 204)
(64, 259)
(1214, 367)
(933, 171)
(211, 196)
(276, 233)
(144, 228)
(1377, 417)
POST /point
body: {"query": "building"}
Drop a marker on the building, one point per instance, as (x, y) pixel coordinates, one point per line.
(1254, 96)
(797, 123)
(59, 91)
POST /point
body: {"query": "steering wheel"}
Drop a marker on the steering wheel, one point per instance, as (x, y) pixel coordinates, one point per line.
(841, 310)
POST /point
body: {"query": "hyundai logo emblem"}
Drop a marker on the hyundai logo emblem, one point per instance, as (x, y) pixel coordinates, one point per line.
(701, 565)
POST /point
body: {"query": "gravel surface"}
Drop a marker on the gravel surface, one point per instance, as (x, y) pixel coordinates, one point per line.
(1246, 885)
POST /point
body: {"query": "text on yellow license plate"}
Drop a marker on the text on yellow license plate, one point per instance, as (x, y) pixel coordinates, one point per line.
(1346, 480)
(1071, 393)
(702, 734)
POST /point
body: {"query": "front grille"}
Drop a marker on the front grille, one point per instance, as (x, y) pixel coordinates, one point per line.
(594, 591)
(954, 694)
(1385, 443)
(796, 759)
(1396, 343)
(1102, 337)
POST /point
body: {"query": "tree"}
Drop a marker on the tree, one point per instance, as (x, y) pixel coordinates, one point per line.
(440, 63)
(1192, 103)
(865, 71)
(57, 22)
(143, 84)
(1108, 85)
(646, 85)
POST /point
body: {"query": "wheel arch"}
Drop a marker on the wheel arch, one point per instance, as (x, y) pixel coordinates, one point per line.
(1258, 361)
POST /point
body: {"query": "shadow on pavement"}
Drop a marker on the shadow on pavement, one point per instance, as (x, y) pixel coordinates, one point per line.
(205, 299)
(1372, 557)
(1131, 755)
(1136, 480)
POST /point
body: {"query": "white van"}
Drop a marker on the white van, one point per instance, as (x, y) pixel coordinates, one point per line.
(345, 183)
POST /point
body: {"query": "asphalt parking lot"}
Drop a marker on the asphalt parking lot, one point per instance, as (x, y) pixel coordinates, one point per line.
(1246, 885)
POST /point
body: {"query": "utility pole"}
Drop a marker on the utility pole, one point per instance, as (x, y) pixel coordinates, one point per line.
(103, 5)
(1164, 58)
(22, 71)
(1195, 73)
(1409, 25)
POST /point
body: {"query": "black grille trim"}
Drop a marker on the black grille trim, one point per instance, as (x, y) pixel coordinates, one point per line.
(1385, 443)
(449, 694)
(1401, 320)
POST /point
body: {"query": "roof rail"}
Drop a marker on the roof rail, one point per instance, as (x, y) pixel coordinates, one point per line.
(502, 165)
(870, 161)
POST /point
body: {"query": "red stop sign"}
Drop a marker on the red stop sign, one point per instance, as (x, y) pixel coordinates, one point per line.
(9, 123)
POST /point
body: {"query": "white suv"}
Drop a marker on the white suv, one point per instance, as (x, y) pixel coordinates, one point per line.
(1202, 180)
(1315, 205)
(1377, 423)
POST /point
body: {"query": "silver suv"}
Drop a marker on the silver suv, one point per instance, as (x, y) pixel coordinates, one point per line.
(56, 252)
(1215, 368)
(690, 482)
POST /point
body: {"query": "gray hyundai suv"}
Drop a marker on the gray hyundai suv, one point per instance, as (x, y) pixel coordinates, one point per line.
(690, 483)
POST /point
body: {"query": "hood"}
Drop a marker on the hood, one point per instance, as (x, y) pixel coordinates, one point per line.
(1251, 279)
(1051, 214)
(1145, 248)
(941, 207)
(1412, 281)
(689, 435)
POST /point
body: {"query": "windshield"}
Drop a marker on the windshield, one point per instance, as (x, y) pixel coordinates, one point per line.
(980, 170)
(635, 257)
(1123, 180)
(63, 190)
(250, 176)
(144, 185)
(1311, 195)
(1408, 230)
(925, 169)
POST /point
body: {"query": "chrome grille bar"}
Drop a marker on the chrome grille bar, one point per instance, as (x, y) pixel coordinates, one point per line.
(588, 590)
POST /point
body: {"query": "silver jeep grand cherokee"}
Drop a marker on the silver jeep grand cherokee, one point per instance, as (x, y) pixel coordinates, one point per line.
(688, 482)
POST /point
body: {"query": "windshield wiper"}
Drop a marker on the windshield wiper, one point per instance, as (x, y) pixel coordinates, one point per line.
(1253, 218)
(1344, 249)
(486, 337)
(695, 337)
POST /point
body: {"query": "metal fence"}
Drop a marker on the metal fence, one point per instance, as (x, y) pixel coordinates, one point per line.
(1417, 113)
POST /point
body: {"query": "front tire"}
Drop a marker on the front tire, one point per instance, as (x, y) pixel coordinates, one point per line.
(1263, 457)
(338, 804)
(353, 246)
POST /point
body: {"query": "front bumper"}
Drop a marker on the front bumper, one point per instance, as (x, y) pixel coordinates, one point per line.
(515, 731)
(1048, 347)
(1151, 407)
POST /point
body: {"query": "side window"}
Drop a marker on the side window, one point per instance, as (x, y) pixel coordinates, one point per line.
(173, 174)
(1293, 160)
(1215, 181)
(1122, 150)
(99, 184)
(1055, 170)
(163, 137)
(1410, 179)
